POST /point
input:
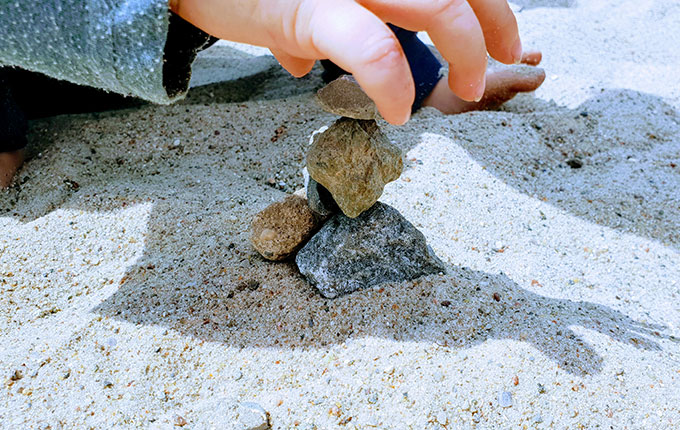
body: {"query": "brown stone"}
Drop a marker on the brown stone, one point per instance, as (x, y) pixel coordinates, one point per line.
(345, 97)
(354, 160)
(278, 231)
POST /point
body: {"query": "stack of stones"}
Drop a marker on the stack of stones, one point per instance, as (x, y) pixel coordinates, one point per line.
(344, 238)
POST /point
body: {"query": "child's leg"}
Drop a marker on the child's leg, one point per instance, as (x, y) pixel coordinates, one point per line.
(502, 84)
(10, 162)
(13, 127)
(27, 95)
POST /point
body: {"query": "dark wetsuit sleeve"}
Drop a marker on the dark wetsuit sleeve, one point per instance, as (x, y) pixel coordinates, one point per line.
(25, 94)
(425, 67)
(13, 124)
(184, 42)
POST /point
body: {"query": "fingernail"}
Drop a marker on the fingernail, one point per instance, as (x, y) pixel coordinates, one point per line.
(517, 51)
(479, 91)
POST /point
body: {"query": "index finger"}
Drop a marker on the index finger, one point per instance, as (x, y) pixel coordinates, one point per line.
(455, 31)
(359, 42)
(500, 29)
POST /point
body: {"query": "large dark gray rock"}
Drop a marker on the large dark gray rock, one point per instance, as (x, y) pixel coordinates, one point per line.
(378, 246)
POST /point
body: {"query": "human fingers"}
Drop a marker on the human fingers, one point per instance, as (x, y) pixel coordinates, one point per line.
(500, 29)
(455, 31)
(358, 41)
(303, 30)
(296, 66)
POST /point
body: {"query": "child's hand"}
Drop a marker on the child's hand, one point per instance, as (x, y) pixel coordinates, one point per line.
(353, 34)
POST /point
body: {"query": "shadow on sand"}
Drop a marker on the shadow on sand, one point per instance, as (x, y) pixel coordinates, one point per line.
(617, 157)
(216, 288)
(239, 310)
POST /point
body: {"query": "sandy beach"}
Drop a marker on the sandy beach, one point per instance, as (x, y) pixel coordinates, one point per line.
(131, 296)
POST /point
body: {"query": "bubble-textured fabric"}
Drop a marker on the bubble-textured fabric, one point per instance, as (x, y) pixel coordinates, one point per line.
(113, 45)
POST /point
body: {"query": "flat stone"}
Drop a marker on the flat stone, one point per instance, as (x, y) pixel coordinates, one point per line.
(279, 230)
(354, 160)
(378, 246)
(345, 97)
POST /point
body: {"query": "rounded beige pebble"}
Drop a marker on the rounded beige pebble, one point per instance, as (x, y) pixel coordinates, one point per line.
(278, 231)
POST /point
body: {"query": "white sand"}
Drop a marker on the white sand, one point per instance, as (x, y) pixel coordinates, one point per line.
(123, 302)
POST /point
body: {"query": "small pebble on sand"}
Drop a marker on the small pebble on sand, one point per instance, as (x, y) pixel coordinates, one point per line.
(252, 416)
(504, 399)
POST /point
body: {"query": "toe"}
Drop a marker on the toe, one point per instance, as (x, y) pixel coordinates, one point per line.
(532, 58)
(10, 162)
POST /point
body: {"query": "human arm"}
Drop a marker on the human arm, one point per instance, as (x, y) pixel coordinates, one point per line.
(353, 34)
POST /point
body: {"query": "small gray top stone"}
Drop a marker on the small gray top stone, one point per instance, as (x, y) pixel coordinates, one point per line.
(345, 97)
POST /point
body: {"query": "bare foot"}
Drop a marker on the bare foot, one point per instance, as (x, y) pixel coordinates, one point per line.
(10, 162)
(502, 84)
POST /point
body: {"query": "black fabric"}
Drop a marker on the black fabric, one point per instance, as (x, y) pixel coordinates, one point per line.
(27, 95)
(184, 42)
(39, 96)
(13, 123)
